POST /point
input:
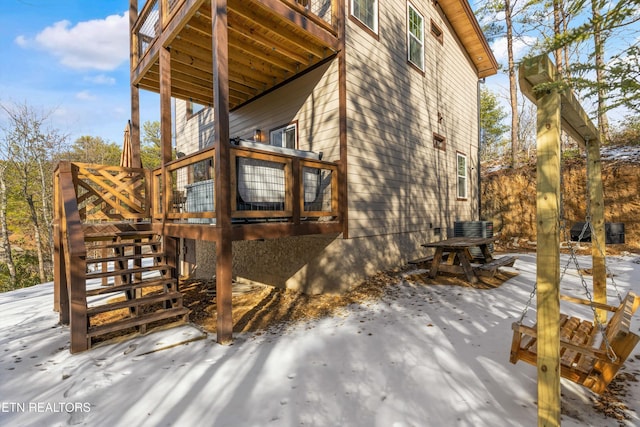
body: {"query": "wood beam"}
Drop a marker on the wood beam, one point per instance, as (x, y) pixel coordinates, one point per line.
(598, 238)
(165, 124)
(244, 49)
(224, 254)
(135, 92)
(548, 258)
(536, 75)
(293, 17)
(248, 19)
(343, 188)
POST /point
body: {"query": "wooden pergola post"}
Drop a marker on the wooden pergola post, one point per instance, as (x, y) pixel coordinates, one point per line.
(558, 110)
(224, 255)
(548, 257)
(598, 238)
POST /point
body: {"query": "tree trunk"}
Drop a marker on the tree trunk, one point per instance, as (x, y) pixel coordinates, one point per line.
(47, 217)
(4, 230)
(557, 28)
(598, 42)
(513, 90)
(36, 236)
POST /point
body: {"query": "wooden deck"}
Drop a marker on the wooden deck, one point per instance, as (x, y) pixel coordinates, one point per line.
(269, 42)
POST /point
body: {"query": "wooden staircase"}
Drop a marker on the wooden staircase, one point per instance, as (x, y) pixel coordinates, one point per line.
(129, 284)
(113, 272)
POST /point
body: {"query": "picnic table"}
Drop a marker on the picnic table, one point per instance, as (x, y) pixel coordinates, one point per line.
(458, 258)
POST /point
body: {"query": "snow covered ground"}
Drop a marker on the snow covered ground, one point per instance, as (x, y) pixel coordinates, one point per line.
(421, 356)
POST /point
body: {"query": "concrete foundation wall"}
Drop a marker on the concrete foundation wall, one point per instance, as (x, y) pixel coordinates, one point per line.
(315, 264)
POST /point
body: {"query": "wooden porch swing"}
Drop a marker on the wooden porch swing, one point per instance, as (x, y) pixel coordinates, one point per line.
(590, 353)
(561, 345)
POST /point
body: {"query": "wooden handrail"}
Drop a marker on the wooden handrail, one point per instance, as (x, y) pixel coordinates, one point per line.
(70, 221)
(73, 290)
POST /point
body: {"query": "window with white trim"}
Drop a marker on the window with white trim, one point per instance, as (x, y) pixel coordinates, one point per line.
(462, 175)
(285, 136)
(366, 11)
(415, 37)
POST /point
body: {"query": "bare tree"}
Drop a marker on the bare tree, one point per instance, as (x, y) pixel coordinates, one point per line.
(29, 147)
(4, 229)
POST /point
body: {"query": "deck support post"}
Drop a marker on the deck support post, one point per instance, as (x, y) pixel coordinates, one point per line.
(598, 239)
(548, 258)
(222, 168)
(340, 22)
(135, 92)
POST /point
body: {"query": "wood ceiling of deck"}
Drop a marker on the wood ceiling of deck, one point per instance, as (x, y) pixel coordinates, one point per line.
(265, 49)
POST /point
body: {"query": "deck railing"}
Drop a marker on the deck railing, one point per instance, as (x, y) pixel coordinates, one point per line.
(265, 186)
(110, 193)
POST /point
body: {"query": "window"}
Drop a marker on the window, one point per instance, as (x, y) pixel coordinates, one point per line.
(285, 136)
(436, 32)
(366, 11)
(415, 37)
(193, 108)
(462, 176)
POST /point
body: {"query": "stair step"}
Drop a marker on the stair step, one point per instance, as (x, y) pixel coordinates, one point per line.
(122, 235)
(130, 286)
(134, 302)
(125, 257)
(112, 245)
(99, 274)
(136, 321)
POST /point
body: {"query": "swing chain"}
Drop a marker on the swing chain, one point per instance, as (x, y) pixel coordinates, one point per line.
(573, 257)
(528, 304)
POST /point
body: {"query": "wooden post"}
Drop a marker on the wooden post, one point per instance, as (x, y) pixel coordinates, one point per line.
(60, 290)
(75, 255)
(533, 72)
(224, 255)
(598, 239)
(548, 258)
(165, 124)
(135, 92)
(339, 10)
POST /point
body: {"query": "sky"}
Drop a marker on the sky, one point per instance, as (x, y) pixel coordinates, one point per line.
(71, 59)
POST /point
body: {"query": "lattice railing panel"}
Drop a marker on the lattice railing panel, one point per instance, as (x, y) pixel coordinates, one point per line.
(111, 193)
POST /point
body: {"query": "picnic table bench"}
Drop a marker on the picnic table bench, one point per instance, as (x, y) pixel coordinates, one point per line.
(459, 259)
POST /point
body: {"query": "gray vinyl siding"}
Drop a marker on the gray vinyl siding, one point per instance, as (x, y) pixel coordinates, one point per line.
(311, 101)
(398, 182)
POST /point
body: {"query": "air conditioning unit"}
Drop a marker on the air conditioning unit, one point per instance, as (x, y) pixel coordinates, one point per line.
(474, 229)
